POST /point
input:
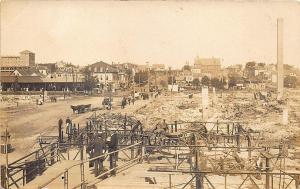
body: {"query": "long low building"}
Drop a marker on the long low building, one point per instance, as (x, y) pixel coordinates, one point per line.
(35, 83)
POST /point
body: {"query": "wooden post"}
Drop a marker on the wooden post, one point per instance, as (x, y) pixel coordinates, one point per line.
(57, 152)
(249, 146)
(78, 129)
(297, 182)
(132, 148)
(38, 162)
(59, 134)
(52, 149)
(198, 175)
(73, 131)
(238, 142)
(217, 131)
(82, 186)
(66, 184)
(267, 175)
(232, 132)
(228, 132)
(24, 175)
(170, 181)
(272, 182)
(87, 130)
(176, 160)
(6, 157)
(225, 181)
(81, 149)
(62, 136)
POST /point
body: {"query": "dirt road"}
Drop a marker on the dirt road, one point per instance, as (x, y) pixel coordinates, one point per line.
(27, 122)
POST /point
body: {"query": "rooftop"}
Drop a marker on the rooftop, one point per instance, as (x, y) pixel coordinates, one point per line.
(26, 52)
(20, 79)
(107, 67)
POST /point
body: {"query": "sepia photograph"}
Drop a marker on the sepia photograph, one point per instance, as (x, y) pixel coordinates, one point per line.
(165, 94)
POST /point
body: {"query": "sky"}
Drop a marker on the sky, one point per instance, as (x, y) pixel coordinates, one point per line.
(160, 32)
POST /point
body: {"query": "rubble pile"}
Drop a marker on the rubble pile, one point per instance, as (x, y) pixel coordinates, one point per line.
(171, 110)
(245, 107)
(113, 120)
(187, 105)
(249, 111)
(262, 115)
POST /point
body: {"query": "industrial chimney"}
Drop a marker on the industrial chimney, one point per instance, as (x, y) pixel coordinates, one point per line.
(279, 58)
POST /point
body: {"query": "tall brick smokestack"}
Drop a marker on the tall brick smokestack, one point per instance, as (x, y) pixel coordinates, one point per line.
(279, 58)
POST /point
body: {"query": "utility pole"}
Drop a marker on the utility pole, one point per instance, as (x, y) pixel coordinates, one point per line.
(148, 75)
(155, 82)
(133, 83)
(139, 80)
(105, 79)
(172, 75)
(6, 156)
(73, 77)
(110, 91)
(65, 86)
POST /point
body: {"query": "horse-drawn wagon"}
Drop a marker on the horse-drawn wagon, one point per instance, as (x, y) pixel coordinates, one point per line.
(81, 108)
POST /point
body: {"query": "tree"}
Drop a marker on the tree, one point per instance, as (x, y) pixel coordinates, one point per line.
(90, 81)
(141, 77)
(186, 67)
(205, 81)
(16, 83)
(232, 81)
(223, 82)
(250, 69)
(250, 64)
(163, 83)
(171, 80)
(290, 81)
(215, 82)
(196, 82)
(261, 64)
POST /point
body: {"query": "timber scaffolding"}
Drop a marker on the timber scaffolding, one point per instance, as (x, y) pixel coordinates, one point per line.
(200, 149)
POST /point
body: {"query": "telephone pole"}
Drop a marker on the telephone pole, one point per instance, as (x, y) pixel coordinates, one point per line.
(6, 156)
(148, 75)
(133, 83)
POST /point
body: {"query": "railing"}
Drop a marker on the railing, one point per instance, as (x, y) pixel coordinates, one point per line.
(83, 182)
(25, 169)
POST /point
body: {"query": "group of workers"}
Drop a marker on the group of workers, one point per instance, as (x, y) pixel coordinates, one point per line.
(69, 129)
(126, 100)
(97, 146)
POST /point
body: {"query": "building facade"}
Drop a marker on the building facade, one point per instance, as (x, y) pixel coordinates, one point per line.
(210, 67)
(158, 67)
(107, 75)
(25, 60)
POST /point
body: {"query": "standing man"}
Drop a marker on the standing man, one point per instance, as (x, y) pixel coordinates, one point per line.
(112, 143)
(129, 99)
(99, 149)
(60, 133)
(69, 128)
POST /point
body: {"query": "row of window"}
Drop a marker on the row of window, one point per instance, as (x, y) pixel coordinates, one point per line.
(106, 78)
